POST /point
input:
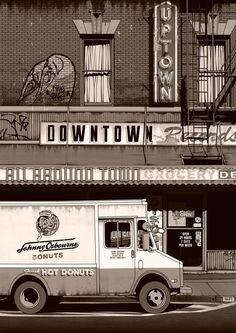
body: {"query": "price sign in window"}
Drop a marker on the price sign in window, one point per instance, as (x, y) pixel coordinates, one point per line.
(185, 245)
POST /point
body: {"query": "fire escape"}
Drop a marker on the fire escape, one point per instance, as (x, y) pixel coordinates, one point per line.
(208, 76)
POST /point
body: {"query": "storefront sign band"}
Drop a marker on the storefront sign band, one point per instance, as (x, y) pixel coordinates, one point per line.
(116, 175)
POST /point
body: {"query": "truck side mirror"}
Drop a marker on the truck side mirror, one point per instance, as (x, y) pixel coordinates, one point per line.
(145, 241)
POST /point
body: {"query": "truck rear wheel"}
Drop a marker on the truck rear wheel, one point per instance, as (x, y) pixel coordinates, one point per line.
(154, 297)
(30, 297)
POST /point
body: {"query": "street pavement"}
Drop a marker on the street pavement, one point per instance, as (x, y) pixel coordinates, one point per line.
(118, 317)
(115, 309)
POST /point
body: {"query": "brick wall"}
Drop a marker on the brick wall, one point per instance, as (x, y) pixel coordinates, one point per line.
(31, 31)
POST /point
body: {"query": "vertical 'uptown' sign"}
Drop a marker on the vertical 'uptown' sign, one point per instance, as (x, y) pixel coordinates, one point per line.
(165, 53)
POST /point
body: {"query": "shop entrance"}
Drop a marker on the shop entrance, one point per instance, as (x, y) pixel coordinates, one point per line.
(185, 224)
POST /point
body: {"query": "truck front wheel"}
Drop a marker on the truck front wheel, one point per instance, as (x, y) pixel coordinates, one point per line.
(154, 297)
(30, 297)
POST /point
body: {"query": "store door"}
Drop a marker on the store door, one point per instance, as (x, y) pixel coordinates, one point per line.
(185, 232)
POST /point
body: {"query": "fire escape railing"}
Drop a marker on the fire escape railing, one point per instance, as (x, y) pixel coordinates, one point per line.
(197, 115)
(229, 82)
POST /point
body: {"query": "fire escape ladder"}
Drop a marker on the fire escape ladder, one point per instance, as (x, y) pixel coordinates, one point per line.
(195, 126)
(197, 137)
(218, 145)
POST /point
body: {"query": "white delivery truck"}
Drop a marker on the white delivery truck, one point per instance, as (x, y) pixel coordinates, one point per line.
(84, 248)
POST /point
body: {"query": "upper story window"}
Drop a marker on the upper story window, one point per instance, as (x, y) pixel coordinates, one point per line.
(97, 71)
(97, 59)
(212, 69)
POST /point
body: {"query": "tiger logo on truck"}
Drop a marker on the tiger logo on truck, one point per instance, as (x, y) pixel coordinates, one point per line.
(47, 224)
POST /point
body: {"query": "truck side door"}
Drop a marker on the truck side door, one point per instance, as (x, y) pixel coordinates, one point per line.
(116, 252)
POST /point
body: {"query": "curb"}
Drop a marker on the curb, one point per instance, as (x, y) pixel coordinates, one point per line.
(213, 299)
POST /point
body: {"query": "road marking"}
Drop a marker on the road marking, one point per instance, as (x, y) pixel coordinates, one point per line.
(74, 314)
(201, 308)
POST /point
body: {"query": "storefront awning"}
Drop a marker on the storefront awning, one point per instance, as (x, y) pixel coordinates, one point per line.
(123, 175)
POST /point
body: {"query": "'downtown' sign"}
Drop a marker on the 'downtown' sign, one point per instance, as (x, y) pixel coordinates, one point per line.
(129, 134)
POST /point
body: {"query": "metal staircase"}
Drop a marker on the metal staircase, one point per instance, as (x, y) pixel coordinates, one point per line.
(207, 89)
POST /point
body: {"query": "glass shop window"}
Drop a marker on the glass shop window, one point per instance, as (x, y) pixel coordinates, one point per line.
(184, 211)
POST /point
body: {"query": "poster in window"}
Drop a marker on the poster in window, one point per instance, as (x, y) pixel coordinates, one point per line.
(178, 218)
(175, 219)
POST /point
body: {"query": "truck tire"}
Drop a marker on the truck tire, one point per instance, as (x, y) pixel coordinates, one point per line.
(30, 297)
(154, 297)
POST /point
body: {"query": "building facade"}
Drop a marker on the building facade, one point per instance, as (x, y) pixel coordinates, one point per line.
(122, 100)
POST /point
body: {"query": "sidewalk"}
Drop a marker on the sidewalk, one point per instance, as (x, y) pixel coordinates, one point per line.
(218, 287)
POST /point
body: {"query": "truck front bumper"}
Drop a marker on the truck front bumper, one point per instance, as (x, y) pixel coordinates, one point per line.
(185, 290)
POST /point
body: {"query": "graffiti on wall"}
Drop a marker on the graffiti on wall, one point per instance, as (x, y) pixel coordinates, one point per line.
(230, 257)
(50, 82)
(14, 126)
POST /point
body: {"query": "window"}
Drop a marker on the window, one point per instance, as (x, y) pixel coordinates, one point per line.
(212, 69)
(185, 228)
(117, 234)
(97, 71)
(156, 239)
(221, 235)
(140, 232)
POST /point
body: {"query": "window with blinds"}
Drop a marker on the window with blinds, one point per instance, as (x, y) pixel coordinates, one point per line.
(97, 72)
(212, 71)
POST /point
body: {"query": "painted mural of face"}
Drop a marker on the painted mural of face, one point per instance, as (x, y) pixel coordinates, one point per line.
(50, 82)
